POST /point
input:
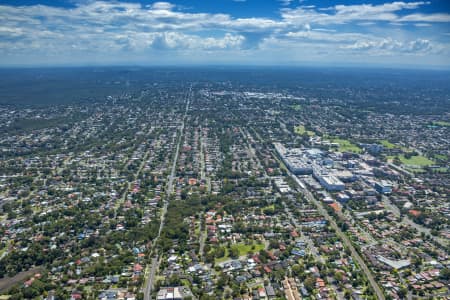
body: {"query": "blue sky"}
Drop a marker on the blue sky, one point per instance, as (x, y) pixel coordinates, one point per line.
(225, 32)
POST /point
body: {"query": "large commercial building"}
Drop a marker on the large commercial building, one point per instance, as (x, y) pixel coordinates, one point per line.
(331, 183)
(383, 187)
(295, 159)
(313, 161)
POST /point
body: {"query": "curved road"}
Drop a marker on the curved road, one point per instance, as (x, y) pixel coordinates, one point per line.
(407, 221)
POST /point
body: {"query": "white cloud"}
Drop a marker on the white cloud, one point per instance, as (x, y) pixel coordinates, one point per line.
(420, 45)
(175, 40)
(326, 36)
(445, 18)
(103, 28)
(341, 14)
(162, 6)
(422, 25)
(285, 2)
(389, 46)
(371, 9)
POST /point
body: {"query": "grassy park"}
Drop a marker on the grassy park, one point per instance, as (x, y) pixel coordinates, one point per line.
(300, 129)
(388, 145)
(442, 123)
(346, 145)
(418, 160)
(242, 249)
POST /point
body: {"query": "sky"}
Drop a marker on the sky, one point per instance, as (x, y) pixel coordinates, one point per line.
(225, 32)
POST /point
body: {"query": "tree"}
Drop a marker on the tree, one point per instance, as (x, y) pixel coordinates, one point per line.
(220, 252)
(445, 274)
(310, 283)
(402, 292)
(234, 253)
(298, 269)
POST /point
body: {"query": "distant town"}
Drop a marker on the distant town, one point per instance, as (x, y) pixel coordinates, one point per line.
(238, 185)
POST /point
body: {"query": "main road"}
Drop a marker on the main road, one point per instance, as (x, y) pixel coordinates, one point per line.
(347, 242)
(379, 293)
(148, 285)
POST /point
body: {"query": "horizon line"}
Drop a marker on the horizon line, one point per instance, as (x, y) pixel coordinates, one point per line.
(235, 66)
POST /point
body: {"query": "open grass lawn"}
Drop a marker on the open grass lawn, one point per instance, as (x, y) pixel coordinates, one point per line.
(420, 161)
(302, 130)
(440, 156)
(388, 145)
(416, 170)
(222, 259)
(243, 250)
(185, 282)
(442, 170)
(271, 207)
(442, 123)
(197, 228)
(346, 145)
